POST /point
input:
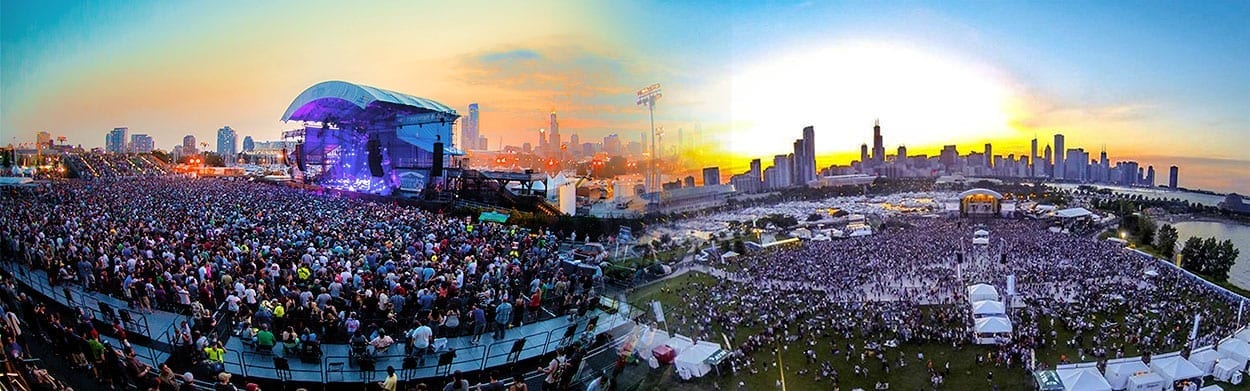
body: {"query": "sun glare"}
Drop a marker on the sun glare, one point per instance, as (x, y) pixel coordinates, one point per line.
(920, 97)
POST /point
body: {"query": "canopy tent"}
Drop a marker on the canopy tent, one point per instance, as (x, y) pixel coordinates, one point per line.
(692, 361)
(1212, 387)
(1083, 379)
(1227, 370)
(981, 232)
(981, 241)
(1243, 334)
(648, 340)
(1148, 381)
(988, 308)
(1118, 373)
(980, 292)
(1234, 349)
(993, 325)
(1175, 368)
(1204, 360)
(1072, 213)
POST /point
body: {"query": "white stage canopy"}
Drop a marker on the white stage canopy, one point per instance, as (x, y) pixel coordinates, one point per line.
(1083, 379)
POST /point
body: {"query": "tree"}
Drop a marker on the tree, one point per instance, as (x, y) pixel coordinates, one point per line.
(1191, 255)
(1146, 230)
(1166, 241)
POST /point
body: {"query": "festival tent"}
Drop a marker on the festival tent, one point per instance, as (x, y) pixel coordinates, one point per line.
(647, 342)
(1212, 387)
(1227, 370)
(981, 292)
(988, 308)
(1072, 213)
(988, 328)
(692, 361)
(1175, 368)
(981, 232)
(1118, 373)
(1148, 381)
(1204, 360)
(1243, 334)
(1234, 349)
(1083, 379)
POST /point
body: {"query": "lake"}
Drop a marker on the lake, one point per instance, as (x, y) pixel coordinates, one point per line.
(1152, 192)
(1239, 234)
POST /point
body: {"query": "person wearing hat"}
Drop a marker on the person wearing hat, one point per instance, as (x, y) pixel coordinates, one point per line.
(223, 383)
(188, 382)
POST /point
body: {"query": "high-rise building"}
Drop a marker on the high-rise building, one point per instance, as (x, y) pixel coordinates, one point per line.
(1033, 166)
(1060, 169)
(809, 154)
(949, 156)
(1076, 165)
(140, 143)
(711, 176)
(43, 139)
(1047, 168)
(574, 141)
(755, 172)
(878, 150)
(782, 169)
(797, 163)
(542, 141)
(1173, 173)
(469, 136)
(188, 145)
(1150, 176)
(989, 155)
(227, 145)
(249, 145)
(863, 155)
(116, 140)
(553, 139)
(612, 145)
(688, 181)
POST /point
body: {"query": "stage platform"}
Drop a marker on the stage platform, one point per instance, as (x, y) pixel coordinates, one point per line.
(335, 364)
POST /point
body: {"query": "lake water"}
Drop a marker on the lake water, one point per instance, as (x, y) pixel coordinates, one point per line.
(1239, 234)
(1200, 198)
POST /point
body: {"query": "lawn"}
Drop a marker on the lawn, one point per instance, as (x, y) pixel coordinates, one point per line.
(965, 373)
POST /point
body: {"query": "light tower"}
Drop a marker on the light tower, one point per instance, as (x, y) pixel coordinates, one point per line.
(647, 97)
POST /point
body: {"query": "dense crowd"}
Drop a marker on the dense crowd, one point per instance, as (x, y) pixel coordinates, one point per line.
(101, 165)
(291, 269)
(1091, 299)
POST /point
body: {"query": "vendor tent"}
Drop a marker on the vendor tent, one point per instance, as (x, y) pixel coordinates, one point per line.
(1175, 368)
(988, 308)
(993, 325)
(1204, 360)
(1118, 373)
(1234, 349)
(980, 292)
(1212, 387)
(692, 362)
(1227, 370)
(1072, 213)
(1083, 379)
(1243, 334)
(649, 340)
(1147, 381)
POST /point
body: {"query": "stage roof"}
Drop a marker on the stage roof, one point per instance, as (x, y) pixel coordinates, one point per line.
(979, 191)
(349, 101)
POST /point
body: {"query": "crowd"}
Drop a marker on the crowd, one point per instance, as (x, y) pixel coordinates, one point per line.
(852, 303)
(291, 269)
(100, 165)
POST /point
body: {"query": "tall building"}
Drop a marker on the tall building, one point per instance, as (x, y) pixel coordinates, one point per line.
(116, 140)
(1076, 165)
(1172, 176)
(542, 141)
(574, 141)
(949, 156)
(1033, 166)
(612, 145)
(1047, 168)
(140, 143)
(249, 145)
(989, 155)
(863, 155)
(1150, 176)
(1060, 169)
(227, 145)
(1104, 166)
(878, 150)
(711, 176)
(43, 139)
(188, 145)
(809, 154)
(797, 163)
(553, 139)
(781, 172)
(469, 136)
(755, 172)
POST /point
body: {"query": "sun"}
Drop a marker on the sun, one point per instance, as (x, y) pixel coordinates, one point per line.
(921, 98)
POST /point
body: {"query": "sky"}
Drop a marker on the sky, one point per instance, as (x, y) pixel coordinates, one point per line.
(1159, 82)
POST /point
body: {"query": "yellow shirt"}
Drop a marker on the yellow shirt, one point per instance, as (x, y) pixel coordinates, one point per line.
(215, 354)
(390, 383)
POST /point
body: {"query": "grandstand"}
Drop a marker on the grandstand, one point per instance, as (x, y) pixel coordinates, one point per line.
(101, 165)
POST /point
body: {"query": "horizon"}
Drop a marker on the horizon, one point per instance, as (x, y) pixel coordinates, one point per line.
(1153, 84)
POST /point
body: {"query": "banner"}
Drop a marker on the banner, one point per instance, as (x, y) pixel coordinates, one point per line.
(626, 235)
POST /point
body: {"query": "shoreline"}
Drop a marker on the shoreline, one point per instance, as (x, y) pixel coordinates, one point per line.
(1184, 218)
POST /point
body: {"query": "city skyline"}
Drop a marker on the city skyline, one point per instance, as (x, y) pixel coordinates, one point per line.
(954, 74)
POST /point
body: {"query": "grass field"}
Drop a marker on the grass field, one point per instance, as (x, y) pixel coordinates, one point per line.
(965, 373)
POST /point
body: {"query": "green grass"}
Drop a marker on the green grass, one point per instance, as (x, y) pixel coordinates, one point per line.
(965, 373)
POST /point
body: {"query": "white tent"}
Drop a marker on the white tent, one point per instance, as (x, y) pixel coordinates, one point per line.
(988, 308)
(981, 241)
(992, 325)
(1212, 387)
(1073, 213)
(1175, 368)
(680, 343)
(980, 292)
(1118, 373)
(1243, 334)
(981, 232)
(1204, 360)
(1148, 381)
(648, 341)
(1083, 379)
(690, 363)
(1227, 370)
(1234, 349)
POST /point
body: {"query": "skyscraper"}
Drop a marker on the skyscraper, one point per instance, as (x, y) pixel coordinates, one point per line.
(797, 163)
(227, 145)
(878, 151)
(1033, 166)
(711, 176)
(140, 143)
(116, 140)
(809, 154)
(43, 139)
(989, 154)
(1060, 169)
(782, 172)
(553, 139)
(1048, 169)
(1150, 176)
(249, 145)
(1173, 172)
(863, 155)
(469, 130)
(188, 145)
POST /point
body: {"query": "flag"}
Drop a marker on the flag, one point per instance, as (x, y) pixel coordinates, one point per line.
(1193, 334)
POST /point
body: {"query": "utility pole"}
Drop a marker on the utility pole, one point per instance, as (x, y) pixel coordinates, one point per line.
(647, 97)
